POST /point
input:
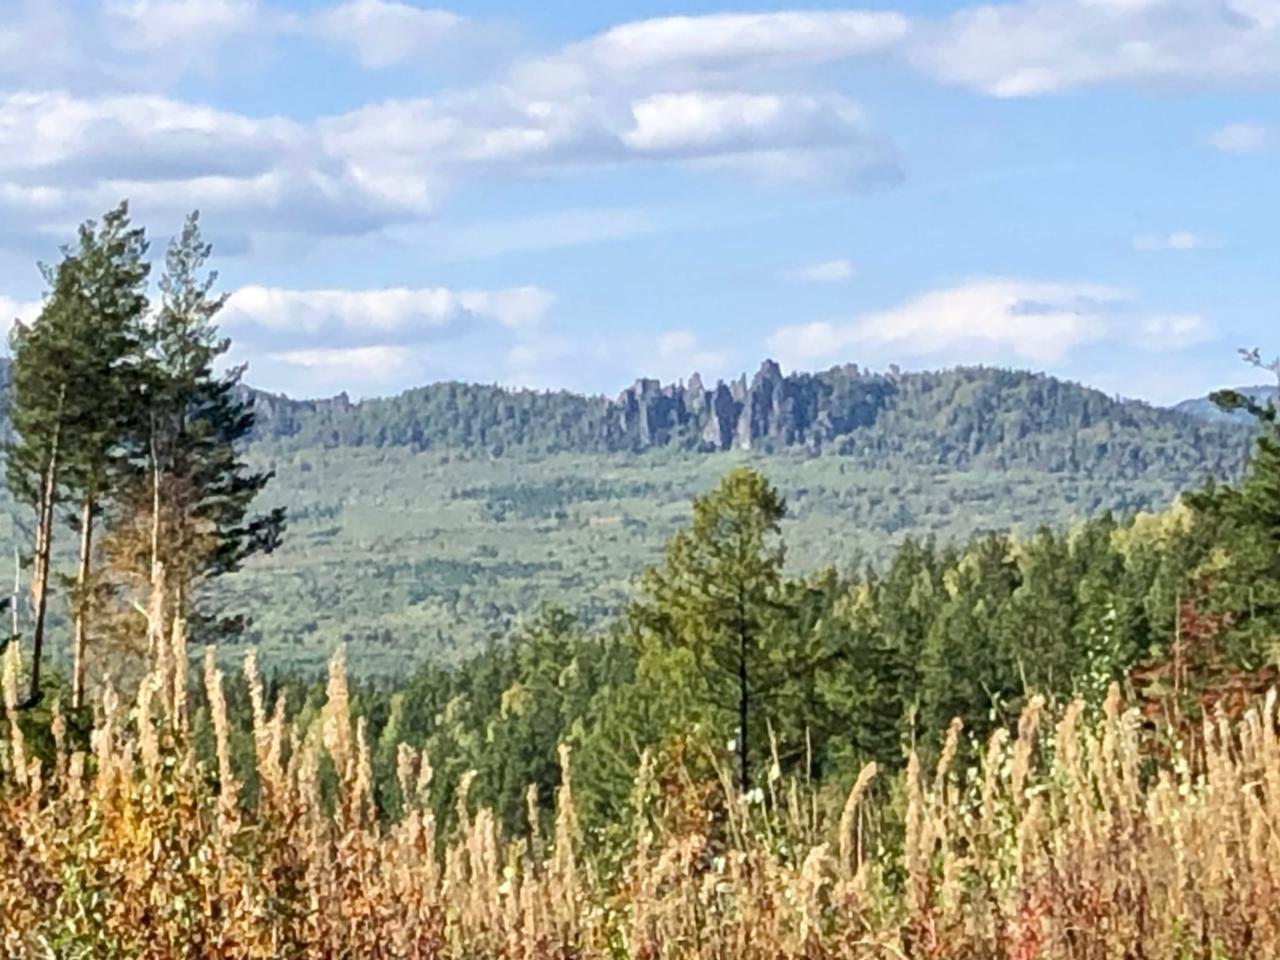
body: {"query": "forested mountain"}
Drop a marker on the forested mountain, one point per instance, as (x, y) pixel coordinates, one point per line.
(425, 524)
(957, 417)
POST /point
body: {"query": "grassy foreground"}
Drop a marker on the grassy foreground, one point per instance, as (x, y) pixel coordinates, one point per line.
(1064, 840)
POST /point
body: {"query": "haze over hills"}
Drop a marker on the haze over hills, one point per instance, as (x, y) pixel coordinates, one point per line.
(1205, 408)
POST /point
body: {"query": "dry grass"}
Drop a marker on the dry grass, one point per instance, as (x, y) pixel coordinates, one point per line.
(1062, 841)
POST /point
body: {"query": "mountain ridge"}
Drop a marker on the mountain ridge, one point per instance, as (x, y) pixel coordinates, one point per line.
(427, 524)
(835, 409)
(771, 409)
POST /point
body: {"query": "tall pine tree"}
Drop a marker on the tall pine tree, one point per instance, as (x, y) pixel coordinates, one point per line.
(71, 390)
(185, 513)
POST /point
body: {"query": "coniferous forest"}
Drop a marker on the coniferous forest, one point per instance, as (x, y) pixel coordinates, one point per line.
(1024, 707)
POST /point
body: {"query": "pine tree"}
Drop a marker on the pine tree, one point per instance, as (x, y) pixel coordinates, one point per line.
(718, 598)
(114, 275)
(71, 388)
(185, 516)
(34, 459)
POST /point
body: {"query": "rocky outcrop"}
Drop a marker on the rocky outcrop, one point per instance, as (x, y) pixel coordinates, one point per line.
(277, 415)
(771, 410)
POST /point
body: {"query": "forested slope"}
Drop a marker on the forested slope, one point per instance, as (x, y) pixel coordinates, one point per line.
(957, 417)
(426, 524)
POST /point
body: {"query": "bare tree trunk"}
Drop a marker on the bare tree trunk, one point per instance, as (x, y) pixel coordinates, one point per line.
(156, 634)
(40, 577)
(17, 589)
(155, 500)
(178, 661)
(82, 604)
(744, 699)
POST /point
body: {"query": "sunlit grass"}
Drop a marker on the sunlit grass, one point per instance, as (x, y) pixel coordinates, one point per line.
(1062, 839)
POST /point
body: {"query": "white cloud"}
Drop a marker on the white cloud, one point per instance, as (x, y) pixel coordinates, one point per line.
(1037, 47)
(1038, 322)
(372, 370)
(700, 123)
(409, 313)
(825, 271)
(676, 343)
(146, 44)
(384, 33)
(997, 320)
(501, 130)
(122, 45)
(736, 40)
(176, 26)
(37, 41)
(1173, 332)
(64, 158)
(63, 39)
(89, 140)
(712, 91)
(680, 352)
(517, 308)
(1179, 240)
(12, 309)
(380, 340)
(1242, 138)
(358, 362)
(704, 92)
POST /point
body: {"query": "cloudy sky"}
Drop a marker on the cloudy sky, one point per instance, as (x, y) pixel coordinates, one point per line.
(575, 194)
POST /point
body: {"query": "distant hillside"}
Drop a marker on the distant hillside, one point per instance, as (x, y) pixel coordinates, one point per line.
(1206, 409)
(966, 416)
(423, 525)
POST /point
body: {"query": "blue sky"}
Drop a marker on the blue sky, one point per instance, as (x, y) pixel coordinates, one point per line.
(572, 194)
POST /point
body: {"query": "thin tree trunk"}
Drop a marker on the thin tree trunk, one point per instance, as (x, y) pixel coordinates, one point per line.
(44, 543)
(155, 500)
(156, 642)
(744, 699)
(82, 604)
(17, 590)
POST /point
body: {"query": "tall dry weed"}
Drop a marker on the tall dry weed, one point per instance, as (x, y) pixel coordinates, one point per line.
(1057, 840)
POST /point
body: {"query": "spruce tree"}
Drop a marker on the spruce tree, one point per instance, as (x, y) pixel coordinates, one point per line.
(968, 669)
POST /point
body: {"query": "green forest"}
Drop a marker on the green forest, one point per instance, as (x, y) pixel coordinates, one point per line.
(426, 526)
(866, 572)
(872, 556)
